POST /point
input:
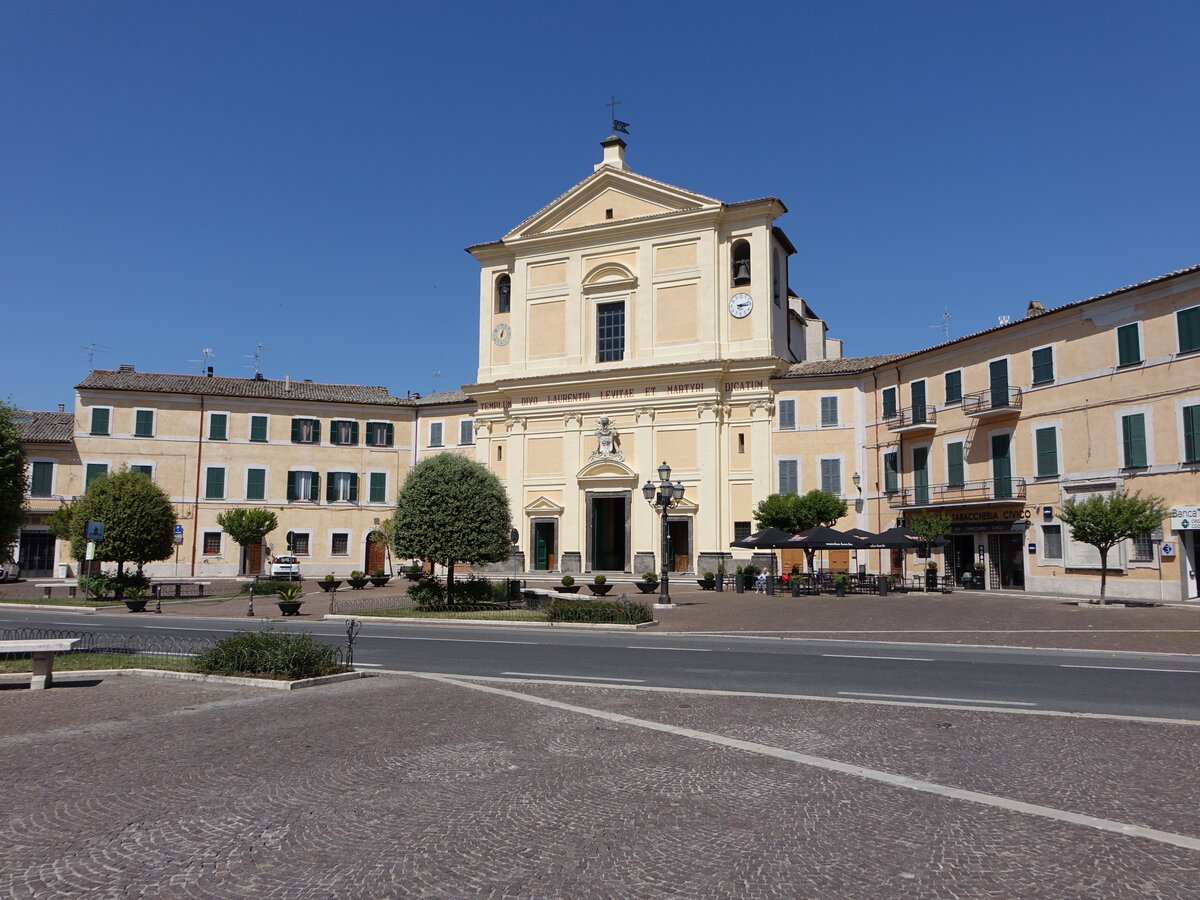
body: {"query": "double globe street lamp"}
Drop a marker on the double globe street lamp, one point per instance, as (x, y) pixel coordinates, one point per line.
(663, 497)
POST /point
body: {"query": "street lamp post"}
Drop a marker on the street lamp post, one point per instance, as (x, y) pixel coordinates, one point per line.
(663, 497)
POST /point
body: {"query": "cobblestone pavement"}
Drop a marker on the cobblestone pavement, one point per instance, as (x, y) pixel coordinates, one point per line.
(398, 786)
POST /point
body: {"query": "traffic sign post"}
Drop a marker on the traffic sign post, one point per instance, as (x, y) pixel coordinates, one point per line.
(94, 531)
(178, 534)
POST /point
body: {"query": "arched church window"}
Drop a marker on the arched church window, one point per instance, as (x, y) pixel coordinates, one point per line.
(503, 294)
(740, 259)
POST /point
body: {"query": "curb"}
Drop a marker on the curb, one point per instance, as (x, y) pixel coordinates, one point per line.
(211, 679)
(572, 626)
(82, 610)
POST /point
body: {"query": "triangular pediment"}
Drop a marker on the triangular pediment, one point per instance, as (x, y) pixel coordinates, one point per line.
(544, 506)
(607, 470)
(626, 194)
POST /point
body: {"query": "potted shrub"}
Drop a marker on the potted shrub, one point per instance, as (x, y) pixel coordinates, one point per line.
(568, 585)
(379, 578)
(931, 578)
(289, 600)
(413, 573)
(979, 579)
(720, 577)
(135, 599)
(649, 583)
(329, 584)
(599, 586)
(749, 574)
(708, 582)
(841, 583)
(739, 583)
(358, 580)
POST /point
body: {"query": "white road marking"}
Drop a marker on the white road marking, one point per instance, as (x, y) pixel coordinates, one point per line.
(1129, 669)
(181, 628)
(936, 699)
(857, 656)
(680, 649)
(831, 765)
(396, 637)
(373, 665)
(573, 677)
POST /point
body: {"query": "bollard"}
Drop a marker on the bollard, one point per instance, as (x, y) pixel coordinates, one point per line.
(771, 584)
(250, 607)
(881, 582)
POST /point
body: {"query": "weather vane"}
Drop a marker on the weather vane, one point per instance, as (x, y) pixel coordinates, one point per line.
(617, 124)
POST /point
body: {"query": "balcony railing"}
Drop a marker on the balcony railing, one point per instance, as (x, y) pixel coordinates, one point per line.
(990, 491)
(994, 402)
(912, 418)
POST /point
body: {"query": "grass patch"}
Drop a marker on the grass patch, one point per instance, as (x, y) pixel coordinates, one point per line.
(270, 654)
(60, 601)
(75, 662)
(497, 615)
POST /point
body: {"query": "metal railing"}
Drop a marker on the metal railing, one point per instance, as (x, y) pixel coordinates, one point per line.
(135, 644)
(992, 489)
(911, 417)
(998, 400)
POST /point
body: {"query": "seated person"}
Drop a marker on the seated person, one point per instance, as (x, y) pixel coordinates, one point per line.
(760, 583)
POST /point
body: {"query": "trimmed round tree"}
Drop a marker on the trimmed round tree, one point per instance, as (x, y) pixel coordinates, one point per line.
(247, 526)
(452, 510)
(139, 521)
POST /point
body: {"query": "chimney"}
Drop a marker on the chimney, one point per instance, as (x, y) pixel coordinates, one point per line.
(208, 374)
(258, 376)
(1035, 308)
(614, 153)
(125, 367)
(62, 408)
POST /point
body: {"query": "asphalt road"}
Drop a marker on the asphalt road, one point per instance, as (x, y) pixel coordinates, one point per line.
(990, 677)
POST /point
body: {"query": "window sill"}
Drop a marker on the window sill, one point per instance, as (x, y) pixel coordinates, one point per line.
(1130, 365)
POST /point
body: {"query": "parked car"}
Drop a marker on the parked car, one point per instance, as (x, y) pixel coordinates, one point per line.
(9, 571)
(285, 567)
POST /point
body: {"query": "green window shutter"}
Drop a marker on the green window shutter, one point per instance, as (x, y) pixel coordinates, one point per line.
(291, 487)
(214, 488)
(998, 376)
(217, 423)
(889, 402)
(315, 494)
(378, 487)
(916, 392)
(148, 471)
(354, 487)
(316, 431)
(1043, 365)
(329, 489)
(295, 431)
(354, 433)
(143, 423)
(41, 479)
(1133, 430)
(1129, 345)
(258, 428)
(94, 471)
(1188, 321)
(256, 484)
(954, 386)
(891, 475)
(955, 470)
(100, 421)
(1001, 466)
(390, 437)
(1047, 451)
(1191, 433)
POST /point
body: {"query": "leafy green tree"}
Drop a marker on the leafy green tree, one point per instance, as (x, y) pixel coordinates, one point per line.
(247, 526)
(795, 513)
(929, 527)
(1104, 520)
(452, 509)
(139, 521)
(59, 521)
(12, 480)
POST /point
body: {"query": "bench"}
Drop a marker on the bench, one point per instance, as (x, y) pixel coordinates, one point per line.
(48, 588)
(43, 657)
(164, 588)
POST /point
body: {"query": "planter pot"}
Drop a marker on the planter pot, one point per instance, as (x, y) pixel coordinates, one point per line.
(289, 607)
(720, 583)
(568, 588)
(931, 580)
(748, 582)
(739, 584)
(648, 587)
(136, 605)
(413, 576)
(840, 590)
(600, 589)
(706, 584)
(380, 581)
(329, 586)
(358, 583)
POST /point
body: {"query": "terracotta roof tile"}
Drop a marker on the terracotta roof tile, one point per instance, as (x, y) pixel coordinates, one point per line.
(38, 427)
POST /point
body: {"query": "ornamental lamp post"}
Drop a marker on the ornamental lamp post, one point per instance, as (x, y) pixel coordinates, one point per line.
(663, 497)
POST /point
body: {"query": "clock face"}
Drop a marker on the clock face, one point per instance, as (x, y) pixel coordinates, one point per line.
(501, 334)
(740, 305)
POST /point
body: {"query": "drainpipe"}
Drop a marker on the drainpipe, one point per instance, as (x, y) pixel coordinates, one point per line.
(196, 498)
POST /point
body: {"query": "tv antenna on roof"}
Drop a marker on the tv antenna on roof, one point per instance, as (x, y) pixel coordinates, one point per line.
(91, 350)
(436, 376)
(208, 354)
(257, 357)
(944, 325)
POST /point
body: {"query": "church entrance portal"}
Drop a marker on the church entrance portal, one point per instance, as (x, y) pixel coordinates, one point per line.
(608, 526)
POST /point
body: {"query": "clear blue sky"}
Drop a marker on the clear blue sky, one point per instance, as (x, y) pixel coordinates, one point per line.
(305, 175)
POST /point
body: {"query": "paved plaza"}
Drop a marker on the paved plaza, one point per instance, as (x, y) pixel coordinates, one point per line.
(431, 787)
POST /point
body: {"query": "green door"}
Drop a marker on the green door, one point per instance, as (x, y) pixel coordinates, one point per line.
(917, 390)
(1001, 466)
(998, 370)
(541, 549)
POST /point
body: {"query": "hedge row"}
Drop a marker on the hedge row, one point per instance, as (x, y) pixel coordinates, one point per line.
(620, 612)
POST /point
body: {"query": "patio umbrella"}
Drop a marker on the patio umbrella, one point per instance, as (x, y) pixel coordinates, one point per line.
(822, 537)
(898, 539)
(767, 539)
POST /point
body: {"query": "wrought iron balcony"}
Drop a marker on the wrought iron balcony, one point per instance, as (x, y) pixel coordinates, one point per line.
(992, 490)
(912, 418)
(994, 402)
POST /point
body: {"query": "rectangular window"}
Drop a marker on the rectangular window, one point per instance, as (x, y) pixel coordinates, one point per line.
(1129, 345)
(920, 473)
(1047, 451)
(916, 392)
(610, 332)
(306, 431)
(100, 420)
(378, 487)
(998, 378)
(218, 426)
(214, 483)
(1002, 487)
(1043, 365)
(891, 472)
(258, 429)
(956, 470)
(1143, 547)
(148, 471)
(1052, 541)
(889, 402)
(789, 476)
(1191, 434)
(143, 423)
(41, 479)
(343, 433)
(212, 543)
(741, 530)
(435, 434)
(339, 544)
(1133, 435)
(1187, 322)
(300, 543)
(741, 442)
(954, 386)
(380, 434)
(342, 487)
(829, 410)
(831, 476)
(303, 486)
(787, 415)
(466, 432)
(92, 472)
(256, 484)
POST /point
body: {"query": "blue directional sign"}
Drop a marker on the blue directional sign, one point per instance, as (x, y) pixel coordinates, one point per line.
(94, 531)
